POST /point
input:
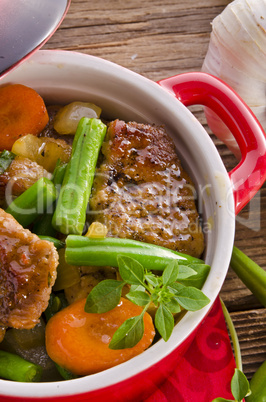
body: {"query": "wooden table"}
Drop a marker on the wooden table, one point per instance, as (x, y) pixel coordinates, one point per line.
(159, 39)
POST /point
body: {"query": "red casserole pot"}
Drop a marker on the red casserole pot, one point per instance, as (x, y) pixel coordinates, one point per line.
(62, 77)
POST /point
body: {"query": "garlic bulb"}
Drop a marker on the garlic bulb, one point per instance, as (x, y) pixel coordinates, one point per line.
(237, 55)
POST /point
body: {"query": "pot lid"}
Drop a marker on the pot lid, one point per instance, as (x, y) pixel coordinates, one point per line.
(25, 26)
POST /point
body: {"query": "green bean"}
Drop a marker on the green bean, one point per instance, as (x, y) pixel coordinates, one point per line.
(251, 274)
(57, 243)
(65, 374)
(81, 250)
(59, 173)
(70, 213)
(43, 225)
(15, 368)
(33, 202)
(6, 157)
(258, 385)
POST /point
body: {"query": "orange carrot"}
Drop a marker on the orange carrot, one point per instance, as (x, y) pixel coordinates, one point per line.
(22, 111)
(78, 341)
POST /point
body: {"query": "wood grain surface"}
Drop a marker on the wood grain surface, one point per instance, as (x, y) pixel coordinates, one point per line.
(159, 39)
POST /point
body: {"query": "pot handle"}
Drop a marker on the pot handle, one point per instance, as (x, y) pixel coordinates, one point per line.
(204, 89)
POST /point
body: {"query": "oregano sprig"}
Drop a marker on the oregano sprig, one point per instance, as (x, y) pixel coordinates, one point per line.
(167, 292)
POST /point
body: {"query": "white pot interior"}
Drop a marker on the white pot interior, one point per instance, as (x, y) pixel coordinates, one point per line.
(61, 77)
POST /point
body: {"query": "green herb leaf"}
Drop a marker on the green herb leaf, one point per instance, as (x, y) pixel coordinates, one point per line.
(152, 279)
(138, 297)
(239, 385)
(197, 281)
(138, 288)
(164, 322)
(173, 306)
(131, 271)
(170, 273)
(185, 271)
(6, 157)
(104, 297)
(128, 334)
(176, 287)
(191, 299)
(222, 400)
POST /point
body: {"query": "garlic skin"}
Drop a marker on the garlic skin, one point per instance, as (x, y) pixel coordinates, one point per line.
(237, 55)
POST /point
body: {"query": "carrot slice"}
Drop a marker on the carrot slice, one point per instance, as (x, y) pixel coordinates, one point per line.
(78, 341)
(22, 111)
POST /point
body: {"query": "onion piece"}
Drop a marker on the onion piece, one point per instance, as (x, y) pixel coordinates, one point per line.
(68, 117)
(237, 55)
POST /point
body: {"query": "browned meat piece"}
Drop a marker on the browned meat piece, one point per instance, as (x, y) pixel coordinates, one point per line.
(19, 176)
(141, 191)
(89, 277)
(28, 271)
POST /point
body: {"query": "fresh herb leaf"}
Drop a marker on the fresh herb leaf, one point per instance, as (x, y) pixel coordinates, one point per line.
(198, 280)
(152, 279)
(131, 271)
(166, 293)
(128, 334)
(191, 299)
(185, 271)
(170, 273)
(104, 297)
(138, 297)
(239, 385)
(6, 157)
(176, 287)
(222, 400)
(173, 306)
(138, 288)
(164, 322)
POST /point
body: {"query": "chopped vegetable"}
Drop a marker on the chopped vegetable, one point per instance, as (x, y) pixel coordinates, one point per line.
(57, 243)
(97, 231)
(43, 225)
(15, 368)
(22, 111)
(65, 374)
(67, 275)
(59, 172)
(45, 151)
(251, 274)
(56, 303)
(68, 117)
(33, 202)
(78, 341)
(6, 157)
(70, 213)
(81, 250)
(20, 175)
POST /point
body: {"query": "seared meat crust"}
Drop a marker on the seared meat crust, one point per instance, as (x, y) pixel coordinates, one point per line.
(141, 191)
(27, 274)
